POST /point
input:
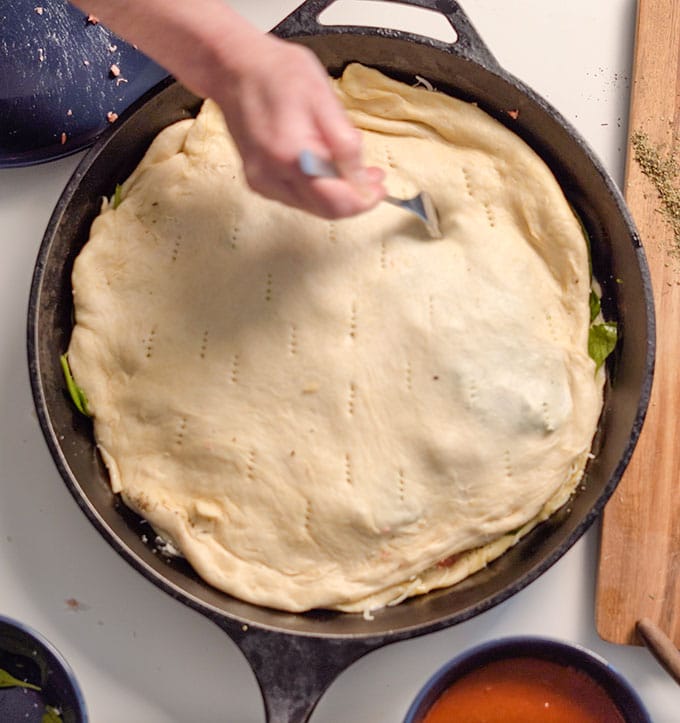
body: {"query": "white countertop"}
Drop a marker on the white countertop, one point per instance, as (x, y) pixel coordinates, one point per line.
(139, 655)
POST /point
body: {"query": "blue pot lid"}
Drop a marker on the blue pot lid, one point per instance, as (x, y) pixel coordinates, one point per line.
(64, 78)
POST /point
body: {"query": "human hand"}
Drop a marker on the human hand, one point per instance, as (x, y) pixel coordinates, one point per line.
(277, 101)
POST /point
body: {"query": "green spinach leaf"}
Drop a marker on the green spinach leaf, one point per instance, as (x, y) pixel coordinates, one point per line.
(601, 341)
(51, 715)
(9, 681)
(595, 305)
(77, 394)
(117, 196)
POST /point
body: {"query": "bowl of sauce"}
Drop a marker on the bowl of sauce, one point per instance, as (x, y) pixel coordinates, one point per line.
(37, 685)
(527, 680)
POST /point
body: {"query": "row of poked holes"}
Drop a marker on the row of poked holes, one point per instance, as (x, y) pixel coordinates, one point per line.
(507, 463)
(148, 343)
(392, 165)
(250, 465)
(547, 420)
(235, 368)
(490, 217)
(204, 344)
(390, 158)
(551, 327)
(293, 340)
(176, 248)
(308, 514)
(473, 391)
(181, 430)
(234, 235)
(332, 232)
(351, 399)
(348, 469)
(353, 320)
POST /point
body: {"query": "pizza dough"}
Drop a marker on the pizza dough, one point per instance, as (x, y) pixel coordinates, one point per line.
(340, 414)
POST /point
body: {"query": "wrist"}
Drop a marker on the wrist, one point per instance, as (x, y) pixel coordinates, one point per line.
(234, 51)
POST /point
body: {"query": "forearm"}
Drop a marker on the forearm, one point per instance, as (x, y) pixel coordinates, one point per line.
(275, 96)
(187, 37)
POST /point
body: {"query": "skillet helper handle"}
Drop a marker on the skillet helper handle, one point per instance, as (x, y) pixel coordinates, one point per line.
(304, 20)
(660, 646)
(293, 671)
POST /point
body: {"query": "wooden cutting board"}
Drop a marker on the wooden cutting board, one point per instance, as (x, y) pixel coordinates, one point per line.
(639, 566)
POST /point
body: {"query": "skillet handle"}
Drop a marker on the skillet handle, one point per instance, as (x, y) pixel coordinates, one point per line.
(293, 671)
(304, 20)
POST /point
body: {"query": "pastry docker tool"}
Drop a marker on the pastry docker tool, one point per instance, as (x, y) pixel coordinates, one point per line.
(421, 205)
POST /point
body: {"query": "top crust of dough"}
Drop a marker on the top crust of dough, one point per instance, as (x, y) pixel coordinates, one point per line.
(318, 413)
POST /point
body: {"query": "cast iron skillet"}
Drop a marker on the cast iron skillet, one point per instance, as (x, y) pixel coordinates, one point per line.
(296, 656)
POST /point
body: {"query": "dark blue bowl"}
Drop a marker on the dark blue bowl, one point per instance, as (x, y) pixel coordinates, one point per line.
(617, 688)
(28, 656)
(56, 85)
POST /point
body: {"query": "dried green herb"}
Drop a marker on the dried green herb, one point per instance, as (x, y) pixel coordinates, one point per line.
(9, 681)
(77, 394)
(663, 171)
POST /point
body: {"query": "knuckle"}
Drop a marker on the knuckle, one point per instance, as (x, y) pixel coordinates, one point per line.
(350, 139)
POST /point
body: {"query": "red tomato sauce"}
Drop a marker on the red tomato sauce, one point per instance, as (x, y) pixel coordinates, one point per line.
(524, 690)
